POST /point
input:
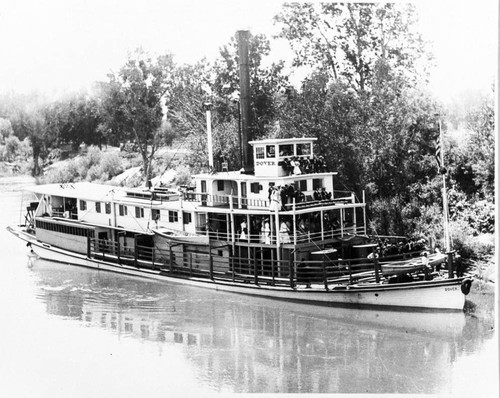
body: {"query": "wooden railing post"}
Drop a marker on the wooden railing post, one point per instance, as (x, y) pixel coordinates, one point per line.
(135, 251)
(349, 265)
(255, 276)
(118, 252)
(210, 263)
(291, 272)
(171, 254)
(325, 279)
(273, 270)
(450, 264)
(88, 244)
(375, 264)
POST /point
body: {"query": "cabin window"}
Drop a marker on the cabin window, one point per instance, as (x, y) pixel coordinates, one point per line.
(317, 183)
(304, 149)
(139, 212)
(173, 216)
(286, 150)
(155, 214)
(108, 208)
(259, 152)
(97, 207)
(255, 187)
(270, 151)
(122, 210)
(83, 205)
(64, 229)
(186, 218)
(220, 185)
(303, 185)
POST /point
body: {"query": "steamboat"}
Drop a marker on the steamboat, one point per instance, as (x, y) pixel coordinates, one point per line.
(279, 232)
(276, 228)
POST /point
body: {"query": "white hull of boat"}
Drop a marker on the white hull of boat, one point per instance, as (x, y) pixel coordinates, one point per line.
(443, 294)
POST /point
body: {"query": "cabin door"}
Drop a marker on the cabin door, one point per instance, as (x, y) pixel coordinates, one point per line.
(203, 190)
(243, 192)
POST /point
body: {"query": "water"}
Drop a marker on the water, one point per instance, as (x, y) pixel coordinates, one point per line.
(73, 332)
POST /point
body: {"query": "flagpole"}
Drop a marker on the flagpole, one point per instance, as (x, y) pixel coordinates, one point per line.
(446, 225)
(445, 196)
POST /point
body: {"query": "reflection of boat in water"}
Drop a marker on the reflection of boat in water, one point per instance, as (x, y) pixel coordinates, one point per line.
(274, 341)
(160, 303)
(276, 228)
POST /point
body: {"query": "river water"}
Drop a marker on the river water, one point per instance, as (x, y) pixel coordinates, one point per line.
(74, 332)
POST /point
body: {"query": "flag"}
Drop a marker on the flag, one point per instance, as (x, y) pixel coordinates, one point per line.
(438, 152)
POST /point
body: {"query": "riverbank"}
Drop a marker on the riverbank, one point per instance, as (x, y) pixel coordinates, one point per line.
(484, 271)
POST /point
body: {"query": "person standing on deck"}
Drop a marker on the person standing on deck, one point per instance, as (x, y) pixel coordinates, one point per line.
(284, 232)
(244, 231)
(266, 232)
(275, 200)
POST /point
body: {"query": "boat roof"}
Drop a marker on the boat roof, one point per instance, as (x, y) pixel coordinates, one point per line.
(270, 141)
(80, 190)
(241, 176)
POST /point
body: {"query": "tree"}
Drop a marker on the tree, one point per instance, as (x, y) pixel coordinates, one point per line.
(346, 40)
(134, 103)
(30, 123)
(76, 119)
(266, 82)
(481, 145)
(5, 129)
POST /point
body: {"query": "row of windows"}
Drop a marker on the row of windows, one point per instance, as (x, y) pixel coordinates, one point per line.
(65, 229)
(255, 187)
(173, 216)
(285, 150)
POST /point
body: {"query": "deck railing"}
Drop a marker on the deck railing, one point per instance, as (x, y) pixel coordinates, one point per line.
(303, 236)
(226, 201)
(287, 273)
(271, 272)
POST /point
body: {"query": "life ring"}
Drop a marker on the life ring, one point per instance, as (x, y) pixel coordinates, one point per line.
(466, 284)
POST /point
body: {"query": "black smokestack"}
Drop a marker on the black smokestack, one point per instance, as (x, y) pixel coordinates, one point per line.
(242, 36)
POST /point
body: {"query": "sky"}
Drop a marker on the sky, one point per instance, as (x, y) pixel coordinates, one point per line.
(55, 46)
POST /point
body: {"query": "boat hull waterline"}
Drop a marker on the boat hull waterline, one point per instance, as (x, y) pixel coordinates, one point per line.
(442, 294)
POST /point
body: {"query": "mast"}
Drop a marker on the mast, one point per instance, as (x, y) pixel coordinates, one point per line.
(209, 136)
(446, 225)
(442, 170)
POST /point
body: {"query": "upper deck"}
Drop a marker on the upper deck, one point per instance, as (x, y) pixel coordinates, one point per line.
(277, 157)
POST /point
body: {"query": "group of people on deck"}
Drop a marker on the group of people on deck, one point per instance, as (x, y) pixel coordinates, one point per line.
(281, 196)
(296, 166)
(387, 248)
(260, 231)
(321, 194)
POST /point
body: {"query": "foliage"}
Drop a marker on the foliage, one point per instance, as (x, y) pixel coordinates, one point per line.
(481, 145)
(76, 119)
(31, 124)
(466, 242)
(134, 103)
(346, 40)
(182, 176)
(265, 83)
(5, 129)
(187, 104)
(94, 166)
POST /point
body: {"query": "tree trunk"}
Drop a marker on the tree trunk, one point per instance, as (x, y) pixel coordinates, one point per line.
(36, 167)
(146, 172)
